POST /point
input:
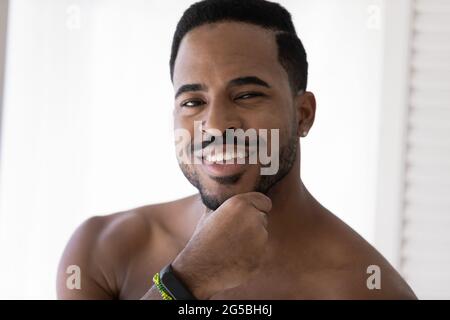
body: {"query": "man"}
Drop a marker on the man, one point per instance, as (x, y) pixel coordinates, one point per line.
(234, 65)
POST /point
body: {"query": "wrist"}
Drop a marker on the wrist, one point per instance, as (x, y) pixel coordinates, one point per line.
(192, 279)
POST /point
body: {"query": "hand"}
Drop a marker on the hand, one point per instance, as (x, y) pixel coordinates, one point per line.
(226, 247)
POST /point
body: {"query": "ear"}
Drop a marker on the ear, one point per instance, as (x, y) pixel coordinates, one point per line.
(305, 105)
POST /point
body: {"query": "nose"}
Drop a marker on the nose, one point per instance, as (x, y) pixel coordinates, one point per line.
(221, 115)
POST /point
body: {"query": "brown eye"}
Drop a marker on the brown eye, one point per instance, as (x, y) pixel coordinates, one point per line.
(250, 95)
(192, 103)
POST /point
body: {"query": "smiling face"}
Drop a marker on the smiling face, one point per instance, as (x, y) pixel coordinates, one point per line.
(227, 75)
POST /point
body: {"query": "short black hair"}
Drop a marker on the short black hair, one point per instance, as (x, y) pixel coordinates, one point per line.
(266, 14)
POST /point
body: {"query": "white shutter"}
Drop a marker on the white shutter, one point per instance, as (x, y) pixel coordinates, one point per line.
(425, 227)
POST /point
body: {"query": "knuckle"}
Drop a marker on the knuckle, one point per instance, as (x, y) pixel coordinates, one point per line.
(237, 202)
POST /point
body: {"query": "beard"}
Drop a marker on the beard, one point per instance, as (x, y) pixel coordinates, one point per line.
(263, 184)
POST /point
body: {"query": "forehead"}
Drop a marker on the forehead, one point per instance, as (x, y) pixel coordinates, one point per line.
(226, 50)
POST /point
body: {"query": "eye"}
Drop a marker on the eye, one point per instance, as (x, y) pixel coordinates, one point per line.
(250, 95)
(191, 103)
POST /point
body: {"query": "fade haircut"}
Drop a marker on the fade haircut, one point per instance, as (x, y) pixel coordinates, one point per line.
(266, 14)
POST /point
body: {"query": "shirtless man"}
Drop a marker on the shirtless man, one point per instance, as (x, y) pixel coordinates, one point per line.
(234, 64)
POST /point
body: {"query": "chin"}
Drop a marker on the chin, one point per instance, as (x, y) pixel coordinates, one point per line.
(231, 184)
(216, 191)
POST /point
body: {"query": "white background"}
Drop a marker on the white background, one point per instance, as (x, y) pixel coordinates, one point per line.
(87, 127)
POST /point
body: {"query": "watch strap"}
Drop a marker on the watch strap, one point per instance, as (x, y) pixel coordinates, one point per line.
(174, 285)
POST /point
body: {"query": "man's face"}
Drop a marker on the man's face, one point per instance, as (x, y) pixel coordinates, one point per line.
(227, 75)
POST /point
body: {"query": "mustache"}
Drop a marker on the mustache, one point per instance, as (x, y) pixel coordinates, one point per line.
(247, 143)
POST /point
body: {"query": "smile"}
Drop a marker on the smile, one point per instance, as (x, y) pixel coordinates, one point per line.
(219, 162)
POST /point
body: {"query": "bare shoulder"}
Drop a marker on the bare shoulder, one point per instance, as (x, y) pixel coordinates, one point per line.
(102, 246)
(360, 271)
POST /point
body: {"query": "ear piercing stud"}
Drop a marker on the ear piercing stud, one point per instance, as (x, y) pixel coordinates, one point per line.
(304, 133)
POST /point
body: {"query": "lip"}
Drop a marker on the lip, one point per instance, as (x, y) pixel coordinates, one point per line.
(222, 169)
(225, 167)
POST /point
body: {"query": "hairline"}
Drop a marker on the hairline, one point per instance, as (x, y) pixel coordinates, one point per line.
(275, 32)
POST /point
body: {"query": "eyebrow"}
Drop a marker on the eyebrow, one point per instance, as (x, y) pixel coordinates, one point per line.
(241, 81)
(248, 80)
(189, 88)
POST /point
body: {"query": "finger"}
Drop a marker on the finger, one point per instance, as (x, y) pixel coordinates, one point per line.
(259, 201)
(264, 219)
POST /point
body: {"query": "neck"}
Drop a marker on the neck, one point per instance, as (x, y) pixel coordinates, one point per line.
(292, 207)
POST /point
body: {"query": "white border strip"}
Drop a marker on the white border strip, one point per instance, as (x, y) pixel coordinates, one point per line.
(393, 128)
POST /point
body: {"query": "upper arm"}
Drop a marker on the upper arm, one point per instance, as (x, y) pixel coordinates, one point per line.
(82, 273)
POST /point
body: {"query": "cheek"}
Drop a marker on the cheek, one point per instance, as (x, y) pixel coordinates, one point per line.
(278, 131)
(181, 121)
(275, 114)
(275, 119)
(183, 138)
(185, 127)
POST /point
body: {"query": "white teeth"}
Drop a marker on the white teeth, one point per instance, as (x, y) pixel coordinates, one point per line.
(223, 157)
(219, 157)
(228, 156)
(211, 157)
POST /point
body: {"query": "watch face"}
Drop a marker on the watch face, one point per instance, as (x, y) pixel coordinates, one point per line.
(173, 285)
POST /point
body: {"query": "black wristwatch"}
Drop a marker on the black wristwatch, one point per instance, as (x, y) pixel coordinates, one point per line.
(173, 285)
